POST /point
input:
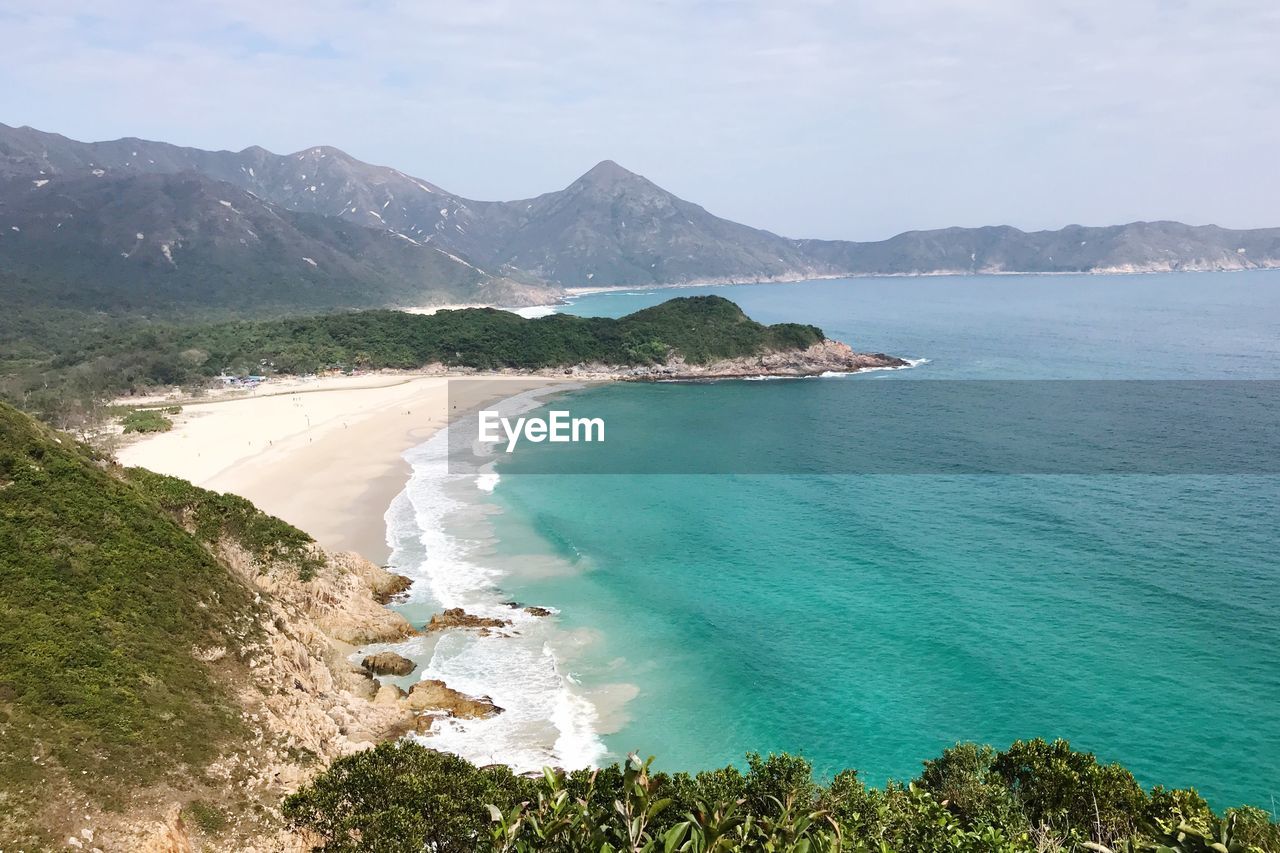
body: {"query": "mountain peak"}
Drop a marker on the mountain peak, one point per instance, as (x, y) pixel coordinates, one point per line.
(607, 171)
(316, 152)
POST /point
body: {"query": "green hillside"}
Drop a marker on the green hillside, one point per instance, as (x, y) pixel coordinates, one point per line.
(699, 328)
(103, 358)
(107, 587)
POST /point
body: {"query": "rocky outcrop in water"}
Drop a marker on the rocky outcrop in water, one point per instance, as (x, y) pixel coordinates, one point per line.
(828, 356)
(456, 617)
(432, 695)
(388, 663)
(393, 588)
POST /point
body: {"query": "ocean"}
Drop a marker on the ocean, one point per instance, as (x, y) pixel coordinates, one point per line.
(869, 620)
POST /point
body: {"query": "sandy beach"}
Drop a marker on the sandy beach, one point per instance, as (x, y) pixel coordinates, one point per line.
(323, 453)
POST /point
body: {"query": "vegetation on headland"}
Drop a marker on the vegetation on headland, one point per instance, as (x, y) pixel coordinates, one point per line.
(63, 378)
(109, 584)
(1035, 796)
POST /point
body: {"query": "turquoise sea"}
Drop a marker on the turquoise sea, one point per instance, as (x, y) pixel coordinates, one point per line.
(869, 621)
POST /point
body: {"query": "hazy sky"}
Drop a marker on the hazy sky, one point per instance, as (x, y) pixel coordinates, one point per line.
(823, 118)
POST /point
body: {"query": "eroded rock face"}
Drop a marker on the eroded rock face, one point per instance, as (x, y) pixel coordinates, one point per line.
(432, 695)
(825, 356)
(166, 836)
(456, 617)
(390, 588)
(388, 663)
(389, 694)
(302, 702)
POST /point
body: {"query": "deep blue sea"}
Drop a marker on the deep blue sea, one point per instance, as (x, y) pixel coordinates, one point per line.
(869, 621)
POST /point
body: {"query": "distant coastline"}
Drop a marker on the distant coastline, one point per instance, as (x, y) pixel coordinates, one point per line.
(574, 292)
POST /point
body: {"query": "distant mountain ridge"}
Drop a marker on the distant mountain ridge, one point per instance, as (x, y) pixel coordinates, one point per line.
(1132, 248)
(375, 236)
(184, 242)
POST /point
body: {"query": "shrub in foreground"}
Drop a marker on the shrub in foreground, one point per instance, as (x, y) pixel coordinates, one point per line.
(1034, 796)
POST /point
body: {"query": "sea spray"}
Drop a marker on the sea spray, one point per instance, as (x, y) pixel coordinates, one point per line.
(545, 719)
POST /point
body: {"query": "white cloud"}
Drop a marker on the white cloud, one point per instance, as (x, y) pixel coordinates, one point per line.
(813, 117)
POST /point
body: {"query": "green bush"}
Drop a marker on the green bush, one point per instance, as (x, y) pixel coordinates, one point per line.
(962, 777)
(1071, 792)
(213, 516)
(146, 420)
(404, 797)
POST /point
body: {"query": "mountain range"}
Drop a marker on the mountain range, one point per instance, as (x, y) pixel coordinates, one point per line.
(138, 225)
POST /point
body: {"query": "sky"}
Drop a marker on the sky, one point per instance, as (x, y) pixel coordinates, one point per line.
(853, 119)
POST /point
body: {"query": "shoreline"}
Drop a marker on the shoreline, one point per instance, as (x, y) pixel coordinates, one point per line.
(443, 539)
(572, 293)
(354, 461)
(337, 457)
(325, 454)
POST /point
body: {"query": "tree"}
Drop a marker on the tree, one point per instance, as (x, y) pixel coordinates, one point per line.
(401, 797)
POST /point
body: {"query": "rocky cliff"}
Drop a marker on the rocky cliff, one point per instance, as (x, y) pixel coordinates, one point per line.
(303, 705)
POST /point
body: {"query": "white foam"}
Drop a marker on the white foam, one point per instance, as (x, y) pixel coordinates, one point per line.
(487, 480)
(910, 363)
(534, 311)
(545, 721)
